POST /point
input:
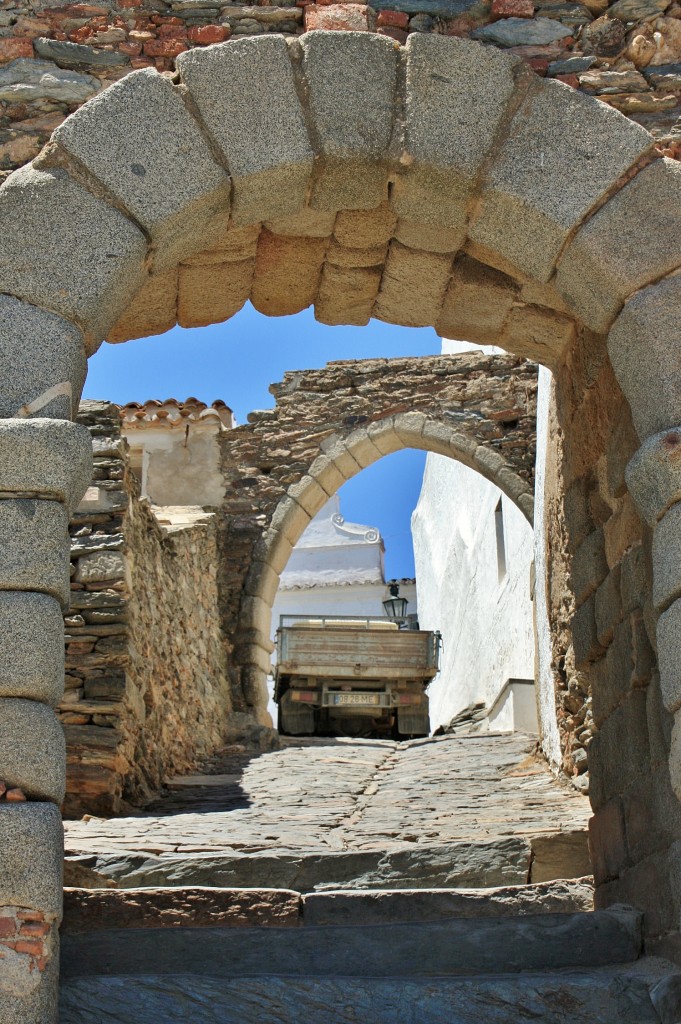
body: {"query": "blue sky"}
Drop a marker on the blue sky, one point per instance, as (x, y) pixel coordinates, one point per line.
(236, 361)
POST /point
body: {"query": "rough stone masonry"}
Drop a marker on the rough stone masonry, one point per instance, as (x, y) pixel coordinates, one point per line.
(55, 56)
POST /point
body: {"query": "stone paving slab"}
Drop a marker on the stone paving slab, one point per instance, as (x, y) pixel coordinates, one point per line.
(500, 945)
(87, 910)
(619, 995)
(324, 797)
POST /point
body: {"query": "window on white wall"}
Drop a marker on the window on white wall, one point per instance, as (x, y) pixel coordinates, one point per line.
(501, 541)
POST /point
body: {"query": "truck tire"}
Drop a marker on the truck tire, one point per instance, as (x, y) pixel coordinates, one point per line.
(412, 724)
(295, 719)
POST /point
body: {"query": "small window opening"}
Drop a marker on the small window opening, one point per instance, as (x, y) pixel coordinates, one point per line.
(501, 541)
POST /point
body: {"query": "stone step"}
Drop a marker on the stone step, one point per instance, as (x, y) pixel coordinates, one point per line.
(87, 910)
(468, 864)
(456, 946)
(645, 992)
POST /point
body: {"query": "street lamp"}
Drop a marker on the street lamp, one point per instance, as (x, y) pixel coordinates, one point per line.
(395, 606)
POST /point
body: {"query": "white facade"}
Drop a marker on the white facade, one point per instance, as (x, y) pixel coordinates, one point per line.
(336, 568)
(473, 551)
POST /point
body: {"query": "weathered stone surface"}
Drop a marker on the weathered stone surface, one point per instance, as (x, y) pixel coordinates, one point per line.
(342, 256)
(562, 855)
(306, 223)
(454, 947)
(654, 474)
(575, 997)
(632, 240)
(49, 458)
(669, 655)
(370, 907)
(214, 292)
(34, 547)
(42, 362)
(477, 303)
(236, 246)
(31, 749)
(26, 80)
(74, 55)
(665, 77)
(540, 334)
(139, 139)
(447, 140)
(287, 273)
(261, 132)
(93, 264)
(347, 294)
(667, 558)
(105, 565)
(412, 287)
(363, 229)
(354, 136)
(417, 235)
(522, 32)
(152, 311)
(86, 910)
(32, 653)
(529, 205)
(644, 347)
(31, 879)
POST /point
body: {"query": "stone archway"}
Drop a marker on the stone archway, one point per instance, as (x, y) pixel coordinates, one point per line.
(327, 426)
(503, 207)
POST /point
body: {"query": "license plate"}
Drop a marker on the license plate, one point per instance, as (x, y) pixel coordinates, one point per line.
(355, 698)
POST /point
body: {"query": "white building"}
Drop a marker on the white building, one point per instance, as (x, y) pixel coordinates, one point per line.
(473, 550)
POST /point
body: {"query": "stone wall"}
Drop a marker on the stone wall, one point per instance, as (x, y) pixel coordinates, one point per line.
(145, 659)
(610, 711)
(55, 56)
(178, 658)
(95, 709)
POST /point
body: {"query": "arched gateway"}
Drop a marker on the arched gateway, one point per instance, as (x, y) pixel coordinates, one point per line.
(493, 205)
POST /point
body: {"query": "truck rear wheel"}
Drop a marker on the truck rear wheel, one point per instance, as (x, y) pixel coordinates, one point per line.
(410, 724)
(295, 719)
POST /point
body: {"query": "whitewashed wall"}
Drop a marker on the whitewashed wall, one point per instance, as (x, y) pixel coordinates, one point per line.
(486, 622)
(550, 737)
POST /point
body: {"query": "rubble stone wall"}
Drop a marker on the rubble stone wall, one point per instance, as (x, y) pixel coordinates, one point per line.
(146, 692)
(55, 56)
(177, 655)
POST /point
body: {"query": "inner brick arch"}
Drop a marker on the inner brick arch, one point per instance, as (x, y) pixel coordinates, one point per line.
(502, 208)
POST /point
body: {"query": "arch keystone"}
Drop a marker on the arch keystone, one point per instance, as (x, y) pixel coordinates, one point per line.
(632, 240)
(456, 97)
(140, 141)
(260, 131)
(353, 134)
(529, 204)
(409, 426)
(89, 266)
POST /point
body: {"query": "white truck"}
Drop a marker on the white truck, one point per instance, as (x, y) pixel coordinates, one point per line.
(353, 676)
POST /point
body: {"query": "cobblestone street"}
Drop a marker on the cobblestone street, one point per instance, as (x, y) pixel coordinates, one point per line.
(324, 798)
